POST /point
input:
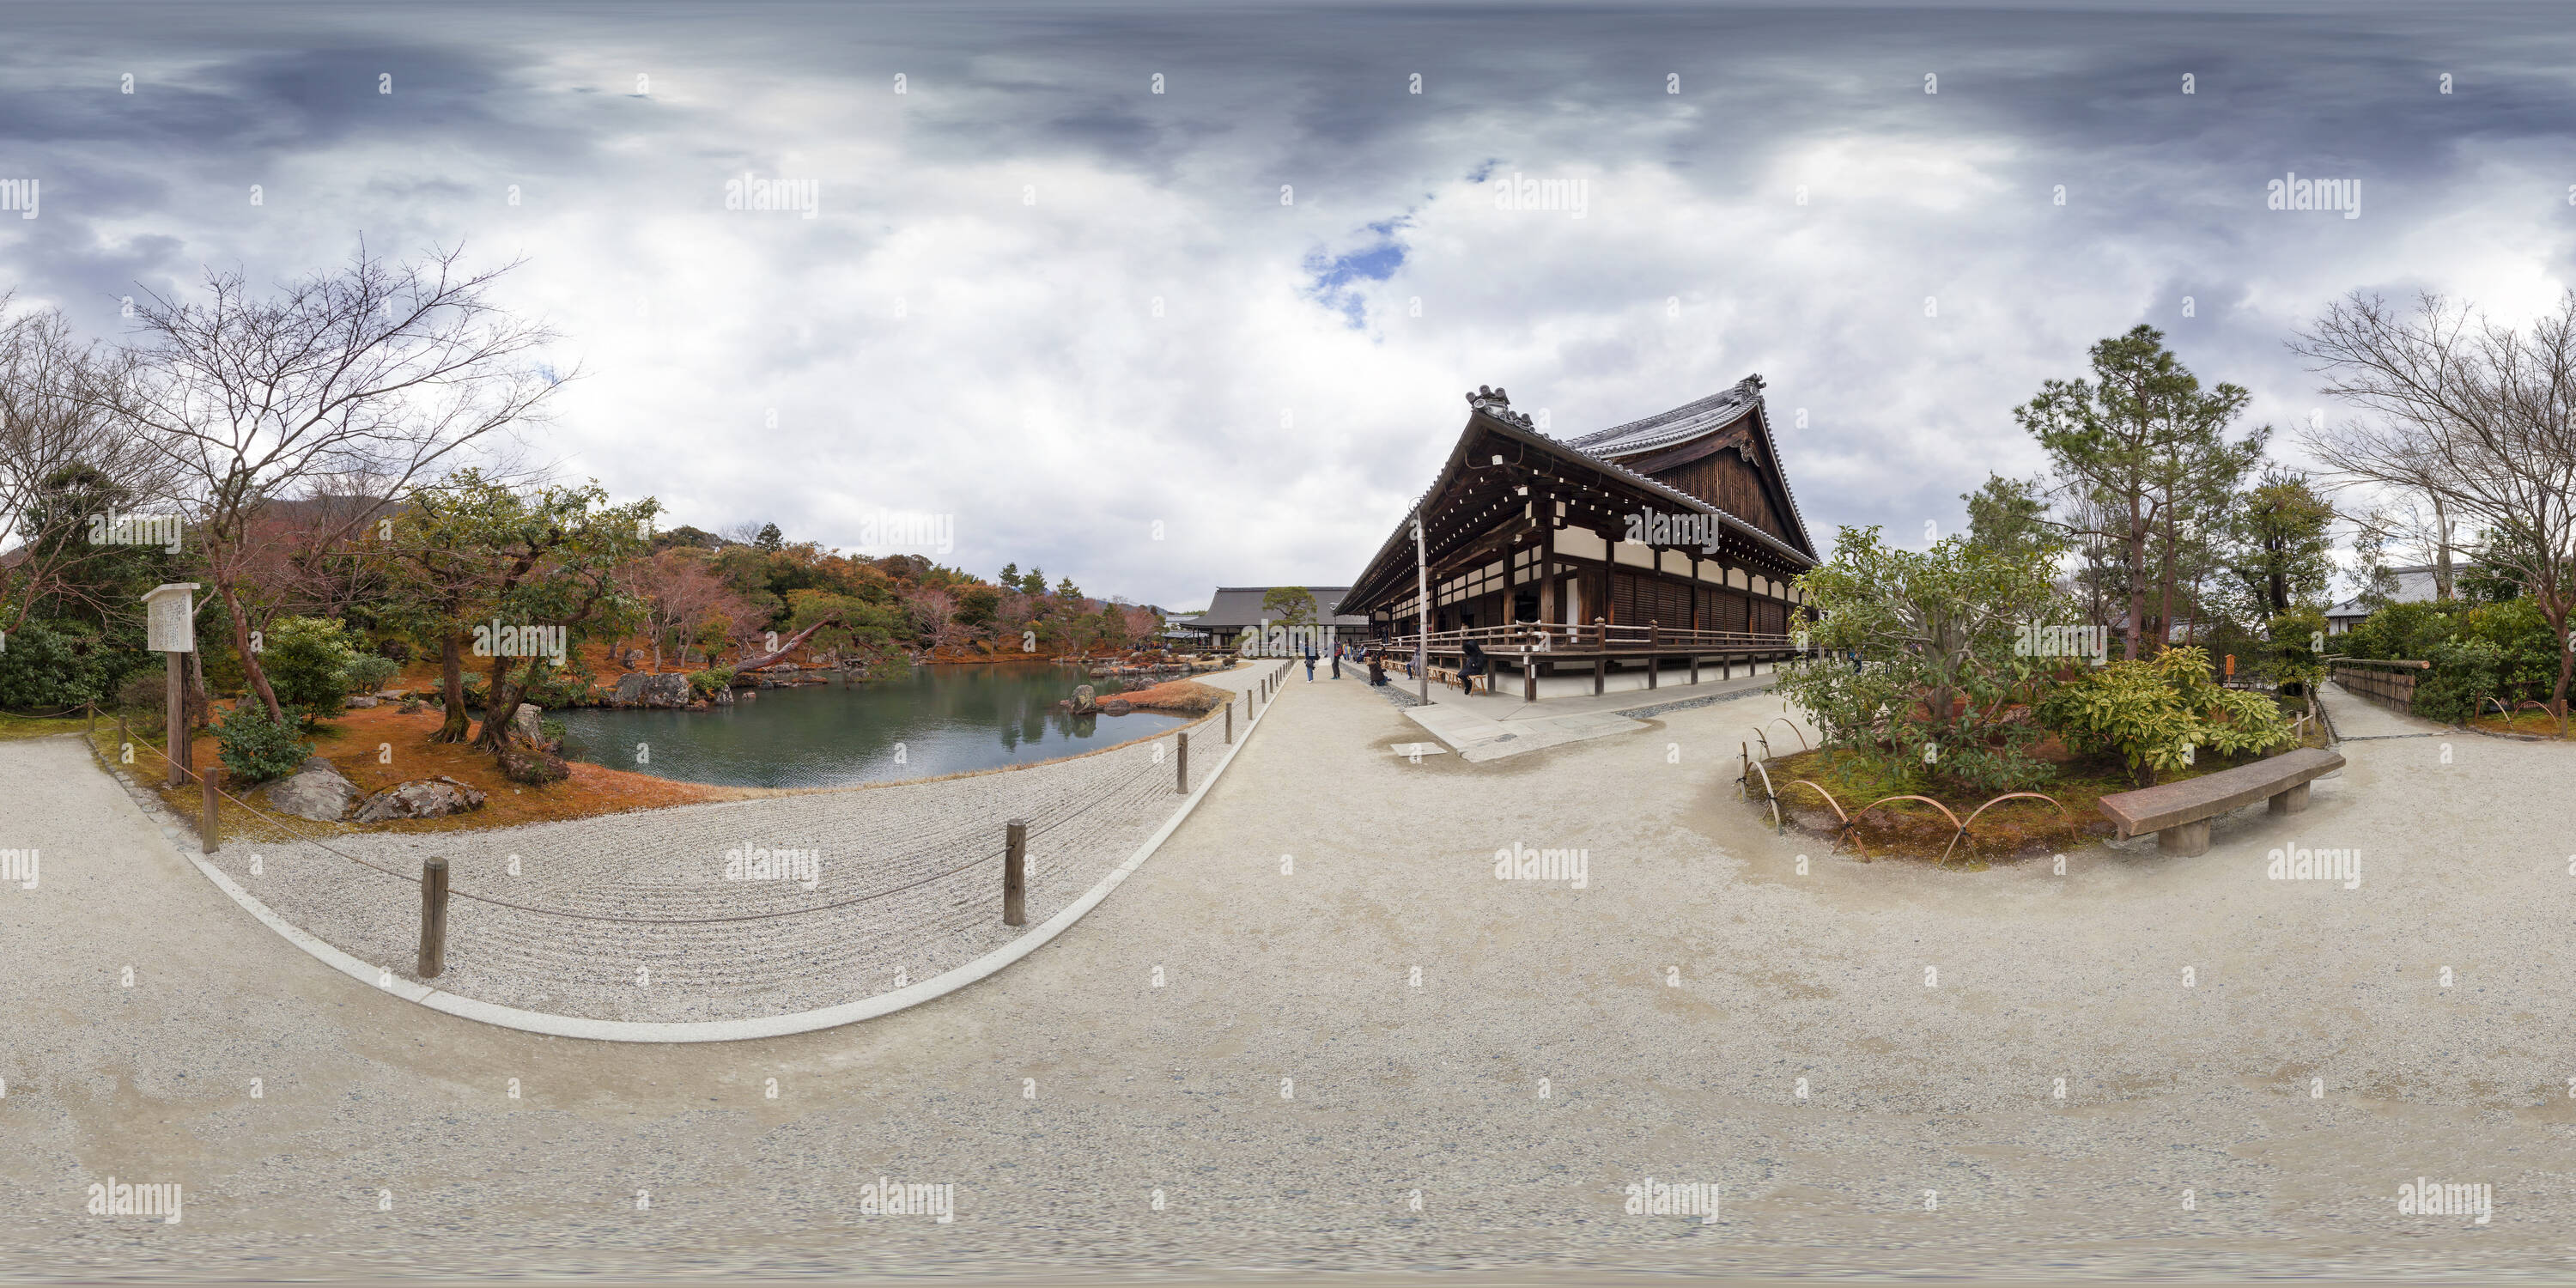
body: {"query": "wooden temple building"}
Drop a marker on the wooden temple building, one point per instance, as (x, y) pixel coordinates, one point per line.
(1664, 541)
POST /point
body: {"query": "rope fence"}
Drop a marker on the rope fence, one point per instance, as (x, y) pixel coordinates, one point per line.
(1065, 822)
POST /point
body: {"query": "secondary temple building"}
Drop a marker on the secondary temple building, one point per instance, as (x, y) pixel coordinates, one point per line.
(1664, 541)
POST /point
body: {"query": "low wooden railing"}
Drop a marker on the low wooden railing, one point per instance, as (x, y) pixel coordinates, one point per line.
(2390, 682)
(1543, 637)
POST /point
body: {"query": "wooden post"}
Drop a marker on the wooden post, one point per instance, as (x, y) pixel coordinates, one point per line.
(1529, 676)
(1181, 775)
(121, 738)
(92, 707)
(1600, 674)
(207, 839)
(433, 917)
(1694, 668)
(175, 733)
(1229, 722)
(1015, 873)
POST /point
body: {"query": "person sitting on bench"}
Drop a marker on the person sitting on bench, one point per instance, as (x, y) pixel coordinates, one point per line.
(1470, 666)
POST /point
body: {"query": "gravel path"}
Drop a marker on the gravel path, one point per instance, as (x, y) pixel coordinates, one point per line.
(1289, 1091)
(742, 908)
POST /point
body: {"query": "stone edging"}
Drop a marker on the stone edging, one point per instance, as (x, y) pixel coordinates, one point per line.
(767, 1026)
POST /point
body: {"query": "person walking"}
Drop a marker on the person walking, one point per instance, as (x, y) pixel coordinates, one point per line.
(1310, 664)
(1337, 659)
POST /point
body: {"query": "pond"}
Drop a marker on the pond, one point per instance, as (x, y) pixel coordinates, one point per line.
(916, 723)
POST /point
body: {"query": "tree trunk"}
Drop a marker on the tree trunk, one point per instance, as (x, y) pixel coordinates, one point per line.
(2165, 579)
(2137, 580)
(769, 658)
(249, 656)
(503, 702)
(2442, 554)
(451, 682)
(2566, 654)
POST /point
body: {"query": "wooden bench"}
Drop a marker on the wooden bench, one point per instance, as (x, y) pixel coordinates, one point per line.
(2179, 813)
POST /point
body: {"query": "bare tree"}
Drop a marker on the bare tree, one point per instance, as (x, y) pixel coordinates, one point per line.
(65, 461)
(2476, 414)
(352, 384)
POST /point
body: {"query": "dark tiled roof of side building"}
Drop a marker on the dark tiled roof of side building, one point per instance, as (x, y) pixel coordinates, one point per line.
(1241, 606)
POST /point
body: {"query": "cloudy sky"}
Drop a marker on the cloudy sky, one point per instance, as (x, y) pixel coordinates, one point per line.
(1218, 333)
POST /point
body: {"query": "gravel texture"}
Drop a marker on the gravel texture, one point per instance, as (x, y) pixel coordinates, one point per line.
(667, 914)
(1290, 1091)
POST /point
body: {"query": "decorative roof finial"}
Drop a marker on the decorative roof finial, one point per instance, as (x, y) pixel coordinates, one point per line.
(1497, 404)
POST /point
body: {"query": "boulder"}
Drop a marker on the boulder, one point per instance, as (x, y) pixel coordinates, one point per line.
(534, 766)
(641, 689)
(425, 798)
(1115, 707)
(362, 703)
(315, 791)
(523, 722)
(723, 697)
(1084, 702)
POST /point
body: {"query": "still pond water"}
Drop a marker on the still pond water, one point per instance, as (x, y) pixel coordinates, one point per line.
(920, 723)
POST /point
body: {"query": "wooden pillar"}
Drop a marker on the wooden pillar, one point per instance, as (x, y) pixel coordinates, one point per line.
(1694, 668)
(1529, 676)
(207, 839)
(1015, 872)
(1600, 674)
(433, 917)
(1654, 667)
(175, 733)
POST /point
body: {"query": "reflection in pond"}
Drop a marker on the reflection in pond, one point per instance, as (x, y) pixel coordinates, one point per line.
(921, 723)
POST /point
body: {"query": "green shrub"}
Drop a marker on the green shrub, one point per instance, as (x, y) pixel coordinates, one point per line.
(254, 748)
(2465, 675)
(2292, 657)
(2157, 714)
(1946, 633)
(54, 667)
(705, 683)
(368, 672)
(306, 659)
